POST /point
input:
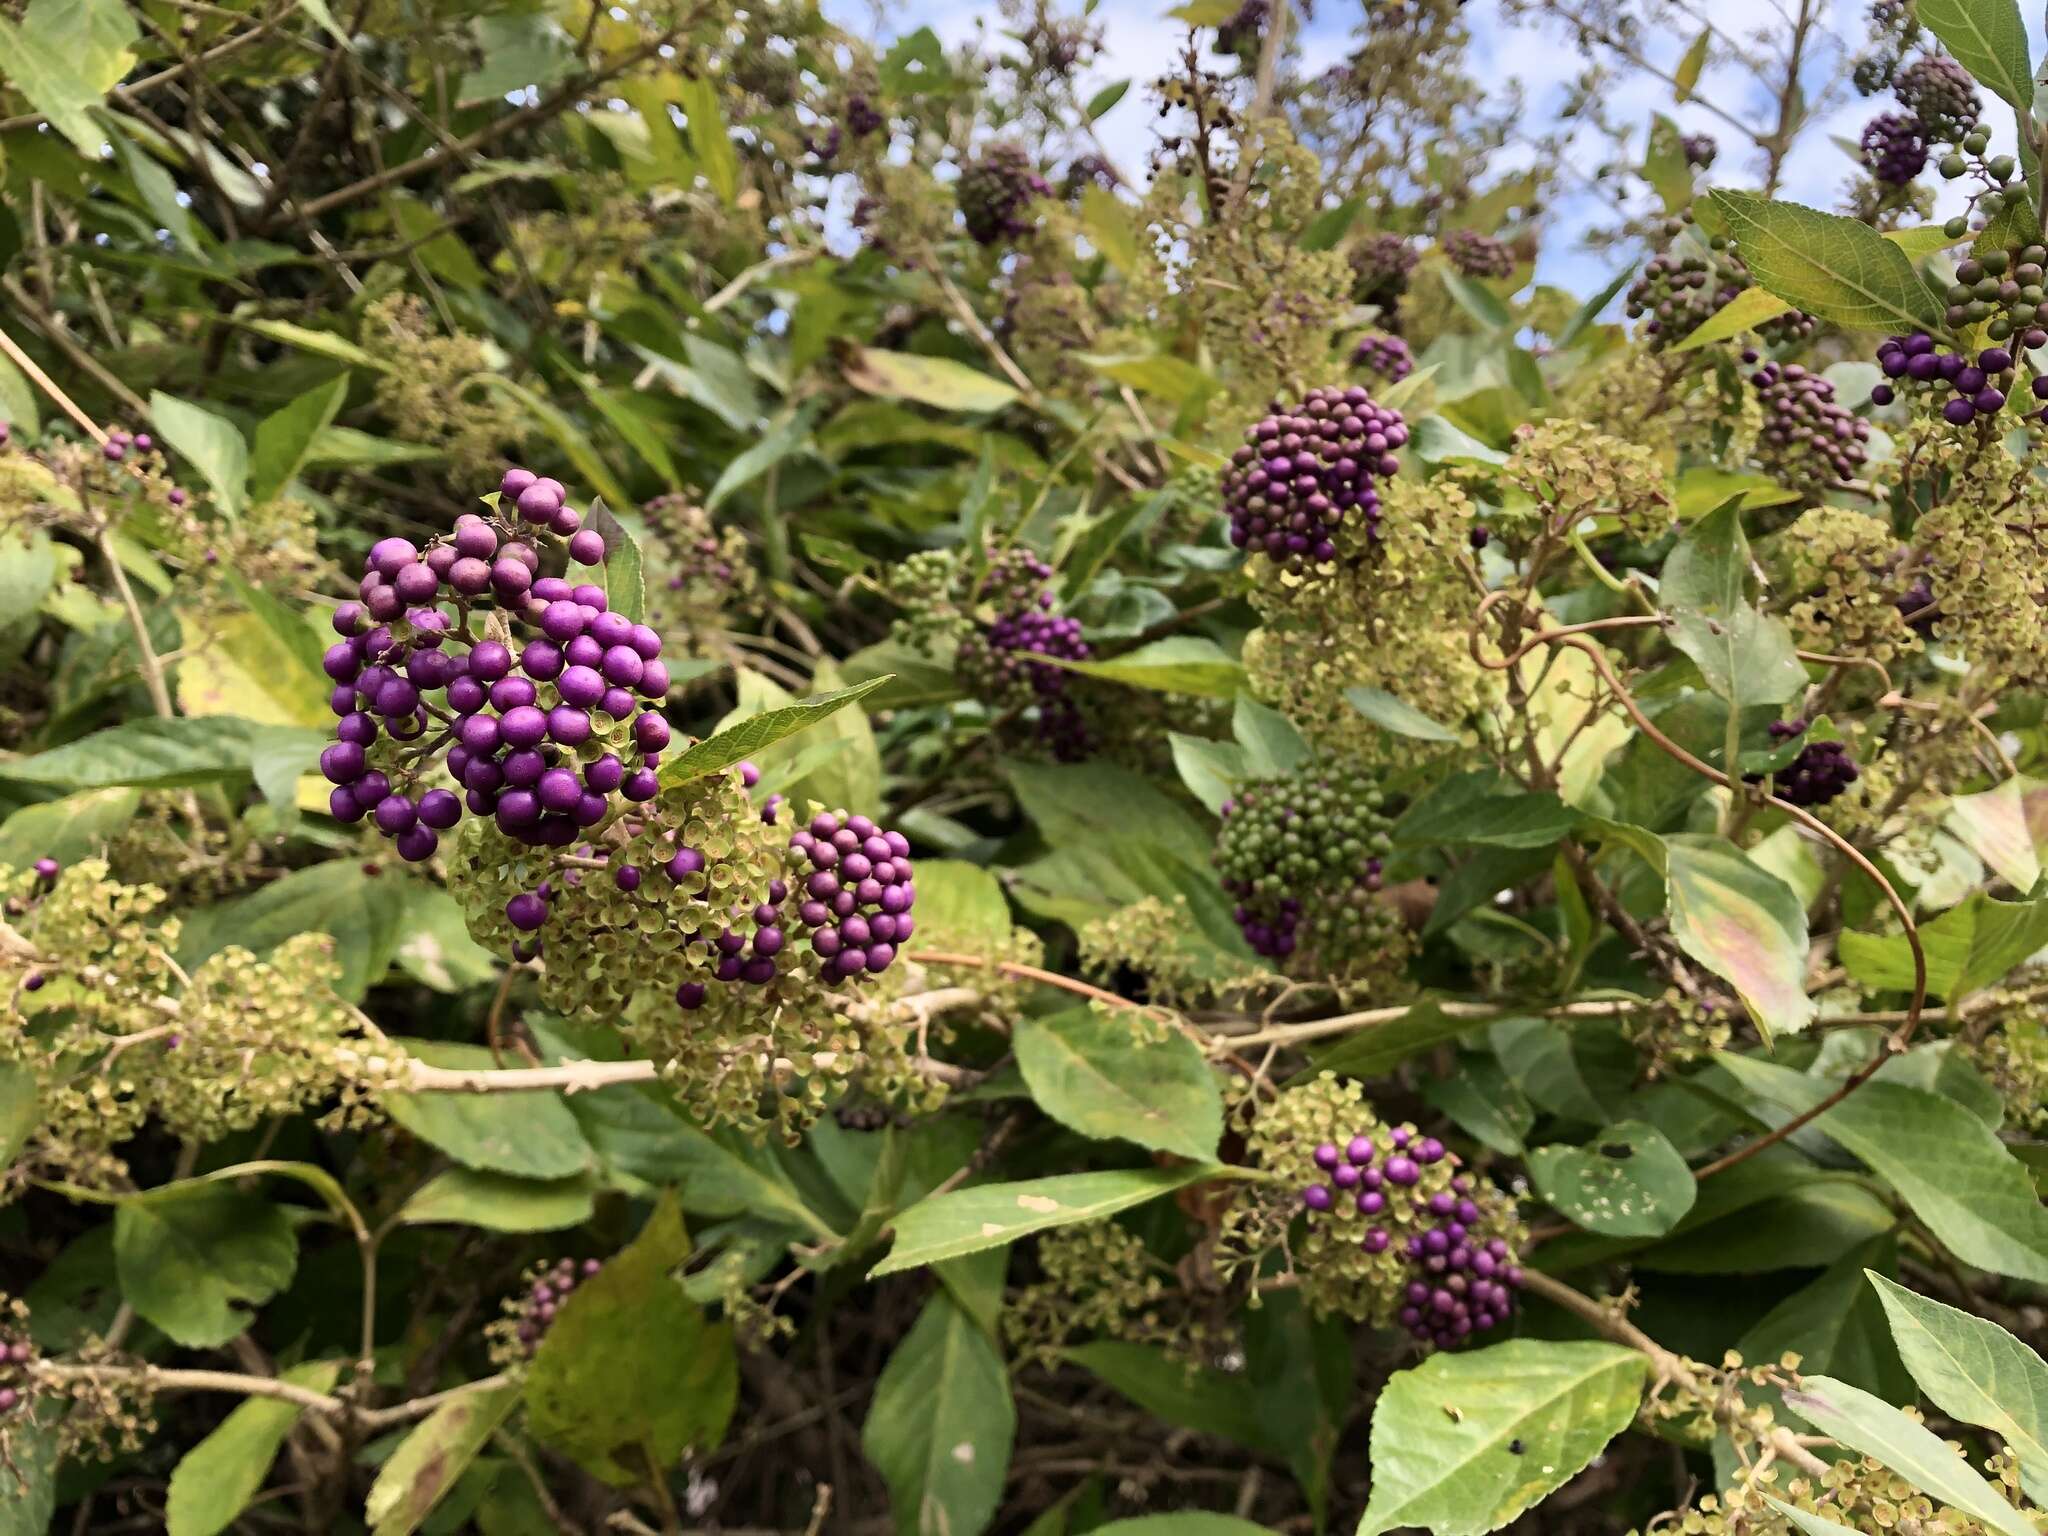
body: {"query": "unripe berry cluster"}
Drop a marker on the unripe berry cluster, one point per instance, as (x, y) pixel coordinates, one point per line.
(2002, 291)
(1306, 469)
(1976, 387)
(1941, 96)
(1478, 255)
(1680, 289)
(540, 737)
(1808, 440)
(1893, 150)
(1395, 1233)
(1016, 624)
(1302, 856)
(995, 192)
(530, 1314)
(1384, 356)
(1996, 171)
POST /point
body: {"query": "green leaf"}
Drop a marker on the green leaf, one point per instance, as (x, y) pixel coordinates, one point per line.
(987, 1215)
(630, 1374)
(1687, 75)
(529, 1135)
(1172, 379)
(361, 912)
(1102, 101)
(1182, 1522)
(1477, 300)
(1091, 1072)
(1837, 269)
(1629, 1181)
(717, 160)
(145, 753)
(1537, 1056)
(758, 732)
(780, 442)
(1665, 167)
(1183, 664)
(1745, 312)
(28, 1493)
(1332, 225)
(498, 1202)
(1948, 1166)
(73, 828)
(961, 901)
(64, 56)
(1835, 1326)
(1811, 1524)
(942, 1424)
(209, 443)
(215, 1480)
(193, 1258)
(1209, 769)
(1745, 657)
(430, 1460)
(285, 438)
(1742, 923)
(437, 950)
(1989, 39)
(1196, 1397)
(1874, 1427)
(934, 381)
(1110, 228)
(1391, 714)
(1993, 825)
(1530, 1415)
(1975, 1371)
(1273, 747)
(1971, 945)
(320, 343)
(1485, 809)
(625, 578)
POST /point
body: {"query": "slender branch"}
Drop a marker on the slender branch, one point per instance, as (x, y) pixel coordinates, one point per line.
(1667, 1366)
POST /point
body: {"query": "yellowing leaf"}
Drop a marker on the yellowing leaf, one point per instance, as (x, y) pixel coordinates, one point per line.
(935, 381)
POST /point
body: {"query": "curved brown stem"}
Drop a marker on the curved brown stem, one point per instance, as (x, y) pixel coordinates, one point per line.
(1574, 637)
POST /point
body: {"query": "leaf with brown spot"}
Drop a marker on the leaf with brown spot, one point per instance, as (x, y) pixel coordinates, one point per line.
(433, 1458)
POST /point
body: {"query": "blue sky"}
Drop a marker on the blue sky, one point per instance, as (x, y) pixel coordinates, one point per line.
(1140, 41)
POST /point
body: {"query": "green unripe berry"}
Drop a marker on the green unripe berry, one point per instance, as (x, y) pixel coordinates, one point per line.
(2001, 168)
(1956, 227)
(1999, 329)
(1952, 166)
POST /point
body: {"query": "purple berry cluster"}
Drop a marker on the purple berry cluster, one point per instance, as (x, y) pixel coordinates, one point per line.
(1306, 470)
(1385, 356)
(1821, 771)
(118, 444)
(1380, 268)
(538, 737)
(1893, 150)
(1974, 387)
(1699, 149)
(1462, 1282)
(1478, 255)
(17, 1359)
(532, 1312)
(1085, 171)
(1808, 439)
(999, 661)
(1941, 96)
(857, 892)
(996, 191)
(1241, 33)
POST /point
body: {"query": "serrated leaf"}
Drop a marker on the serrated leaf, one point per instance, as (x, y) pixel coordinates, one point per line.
(1200, 1398)
(216, 1480)
(1869, 1424)
(1745, 312)
(758, 732)
(431, 1459)
(193, 1259)
(1745, 656)
(1993, 825)
(1989, 39)
(1949, 1167)
(285, 438)
(1835, 268)
(1392, 714)
(1628, 1181)
(934, 381)
(630, 1373)
(1975, 1371)
(942, 1424)
(1530, 1415)
(1209, 769)
(1090, 1071)
(984, 1216)
(64, 56)
(147, 753)
(1185, 664)
(1971, 945)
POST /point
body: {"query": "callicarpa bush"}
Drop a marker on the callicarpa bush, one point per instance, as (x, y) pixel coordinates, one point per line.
(760, 773)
